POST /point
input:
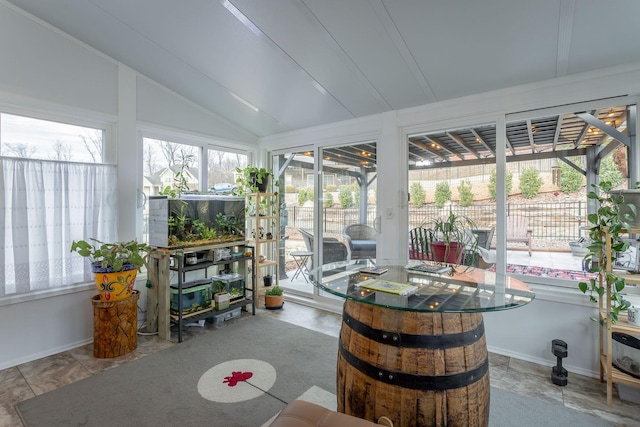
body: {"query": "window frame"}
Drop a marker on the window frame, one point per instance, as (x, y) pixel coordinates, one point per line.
(63, 115)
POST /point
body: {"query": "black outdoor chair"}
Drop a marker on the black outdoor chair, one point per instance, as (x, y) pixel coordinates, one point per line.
(419, 243)
(333, 250)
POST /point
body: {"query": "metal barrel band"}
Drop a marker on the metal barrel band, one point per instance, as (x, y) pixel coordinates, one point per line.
(416, 382)
(414, 341)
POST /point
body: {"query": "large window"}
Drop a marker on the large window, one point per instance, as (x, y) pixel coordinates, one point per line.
(54, 189)
(30, 138)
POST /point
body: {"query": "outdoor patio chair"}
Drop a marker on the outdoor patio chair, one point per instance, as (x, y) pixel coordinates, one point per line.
(333, 250)
(361, 241)
(518, 230)
(419, 243)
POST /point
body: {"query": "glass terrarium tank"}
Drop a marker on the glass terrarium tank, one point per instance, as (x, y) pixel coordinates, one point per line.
(231, 283)
(626, 353)
(195, 219)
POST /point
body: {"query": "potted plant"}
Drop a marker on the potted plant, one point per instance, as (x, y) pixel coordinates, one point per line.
(221, 296)
(114, 265)
(273, 298)
(612, 214)
(268, 280)
(452, 238)
(252, 179)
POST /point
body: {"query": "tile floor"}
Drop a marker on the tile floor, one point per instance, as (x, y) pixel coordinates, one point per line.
(40, 376)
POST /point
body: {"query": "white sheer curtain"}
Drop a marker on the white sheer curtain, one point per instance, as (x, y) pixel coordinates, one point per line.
(44, 206)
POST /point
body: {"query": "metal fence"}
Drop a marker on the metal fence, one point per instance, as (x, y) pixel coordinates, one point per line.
(549, 221)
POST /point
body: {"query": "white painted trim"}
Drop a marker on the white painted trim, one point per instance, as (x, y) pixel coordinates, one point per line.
(154, 131)
(47, 110)
(544, 362)
(346, 131)
(45, 293)
(48, 352)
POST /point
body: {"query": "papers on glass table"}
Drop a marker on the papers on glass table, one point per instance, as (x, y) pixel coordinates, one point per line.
(374, 270)
(387, 286)
(423, 267)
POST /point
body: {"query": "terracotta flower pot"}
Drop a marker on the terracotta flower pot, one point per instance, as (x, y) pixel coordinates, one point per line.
(273, 302)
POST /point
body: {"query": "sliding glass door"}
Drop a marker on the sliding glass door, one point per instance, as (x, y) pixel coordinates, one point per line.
(316, 212)
(295, 170)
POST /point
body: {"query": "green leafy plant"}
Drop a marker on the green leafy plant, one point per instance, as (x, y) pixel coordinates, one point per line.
(608, 216)
(180, 183)
(249, 178)
(443, 193)
(274, 291)
(454, 228)
(530, 183)
(418, 195)
(492, 183)
(345, 197)
(328, 200)
(304, 194)
(570, 179)
(609, 172)
(219, 287)
(451, 228)
(465, 193)
(114, 255)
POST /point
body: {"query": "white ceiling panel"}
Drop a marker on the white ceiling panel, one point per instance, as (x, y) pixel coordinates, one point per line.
(471, 47)
(320, 61)
(315, 52)
(605, 36)
(359, 31)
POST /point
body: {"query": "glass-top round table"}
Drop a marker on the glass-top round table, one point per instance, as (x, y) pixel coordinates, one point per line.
(423, 286)
(412, 345)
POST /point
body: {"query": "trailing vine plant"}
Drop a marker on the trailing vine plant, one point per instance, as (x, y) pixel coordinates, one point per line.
(608, 216)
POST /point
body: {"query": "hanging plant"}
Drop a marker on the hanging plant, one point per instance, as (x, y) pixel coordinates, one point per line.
(607, 217)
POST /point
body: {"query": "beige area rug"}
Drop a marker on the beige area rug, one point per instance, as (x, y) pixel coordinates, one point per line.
(241, 375)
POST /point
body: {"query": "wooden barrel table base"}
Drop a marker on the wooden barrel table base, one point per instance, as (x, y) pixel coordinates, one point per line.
(417, 368)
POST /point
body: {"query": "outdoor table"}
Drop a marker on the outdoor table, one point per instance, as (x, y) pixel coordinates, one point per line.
(412, 345)
(301, 258)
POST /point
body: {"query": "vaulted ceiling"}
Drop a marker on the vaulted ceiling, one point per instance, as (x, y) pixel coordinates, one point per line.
(271, 66)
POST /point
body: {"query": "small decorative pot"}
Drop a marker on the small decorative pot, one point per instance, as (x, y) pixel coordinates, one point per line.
(115, 286)
(633, 315)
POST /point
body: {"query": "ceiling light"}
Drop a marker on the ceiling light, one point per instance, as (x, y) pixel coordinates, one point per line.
(241, 17)
(247, 103)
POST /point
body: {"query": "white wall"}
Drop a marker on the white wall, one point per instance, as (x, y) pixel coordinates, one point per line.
(526, 332)
(44, 71)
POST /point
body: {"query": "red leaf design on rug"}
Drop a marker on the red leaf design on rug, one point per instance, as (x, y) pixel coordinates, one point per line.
(237, 377)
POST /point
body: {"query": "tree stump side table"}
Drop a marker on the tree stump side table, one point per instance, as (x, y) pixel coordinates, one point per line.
(115, 326)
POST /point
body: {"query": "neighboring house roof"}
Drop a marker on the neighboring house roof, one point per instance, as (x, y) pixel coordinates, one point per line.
(164, 175)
